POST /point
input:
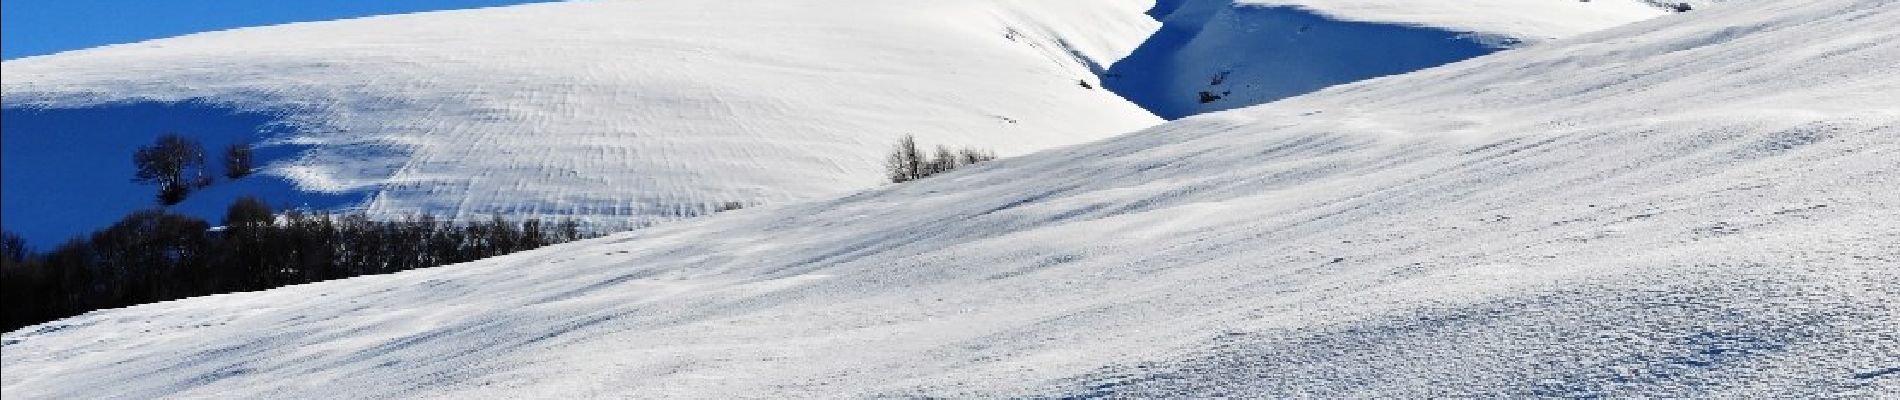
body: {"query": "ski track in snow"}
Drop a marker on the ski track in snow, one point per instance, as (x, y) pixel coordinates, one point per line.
(1694, 206)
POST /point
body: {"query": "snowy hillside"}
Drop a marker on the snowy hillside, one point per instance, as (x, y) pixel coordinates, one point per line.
(628, 110)
(1698, 206)
(1216, 55)
(626, 113)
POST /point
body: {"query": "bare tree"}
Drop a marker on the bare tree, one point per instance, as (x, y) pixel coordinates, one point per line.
(175, 163)
(906, 162)
(238, 162)
(248, 212)
(942, 161)
(970, 156)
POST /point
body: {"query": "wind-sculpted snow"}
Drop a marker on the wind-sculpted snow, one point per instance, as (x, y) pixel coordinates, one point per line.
(629, 112)
(1216, 55)
(1694, 207)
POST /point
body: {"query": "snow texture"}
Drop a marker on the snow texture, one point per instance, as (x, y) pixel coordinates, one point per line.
(629, 112)
(1695, 206)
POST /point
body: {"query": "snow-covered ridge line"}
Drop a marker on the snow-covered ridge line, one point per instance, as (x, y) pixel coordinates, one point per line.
(1528, 21)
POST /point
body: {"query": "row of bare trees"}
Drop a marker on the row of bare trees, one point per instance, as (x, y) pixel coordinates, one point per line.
(907, 162)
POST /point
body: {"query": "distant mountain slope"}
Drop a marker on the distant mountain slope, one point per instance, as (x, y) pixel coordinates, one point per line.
(627, 111)
(1216, 55)
(1694, 207)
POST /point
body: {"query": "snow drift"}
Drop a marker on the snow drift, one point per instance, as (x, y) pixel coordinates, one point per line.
(626, 111)
(1213, 55)
(1700, 206)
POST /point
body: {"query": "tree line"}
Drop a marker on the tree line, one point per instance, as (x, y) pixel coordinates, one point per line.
(155, 255)
(907, 162)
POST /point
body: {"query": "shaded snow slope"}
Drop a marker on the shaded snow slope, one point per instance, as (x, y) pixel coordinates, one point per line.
(629, 110)
(1702, 206)
(1213, 55)
(67, 171)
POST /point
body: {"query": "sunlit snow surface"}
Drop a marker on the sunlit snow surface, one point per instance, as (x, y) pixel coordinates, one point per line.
(1698, 205)
(629, 113)
(624, 111)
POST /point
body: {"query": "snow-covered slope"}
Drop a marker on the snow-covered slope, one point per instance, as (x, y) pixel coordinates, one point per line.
(629, 110)
(1223, 54)
(1699, 206)
(625, 113)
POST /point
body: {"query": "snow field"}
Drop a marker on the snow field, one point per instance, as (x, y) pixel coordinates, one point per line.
(1699, 206)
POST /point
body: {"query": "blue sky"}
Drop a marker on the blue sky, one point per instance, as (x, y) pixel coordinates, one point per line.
(38, 27)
